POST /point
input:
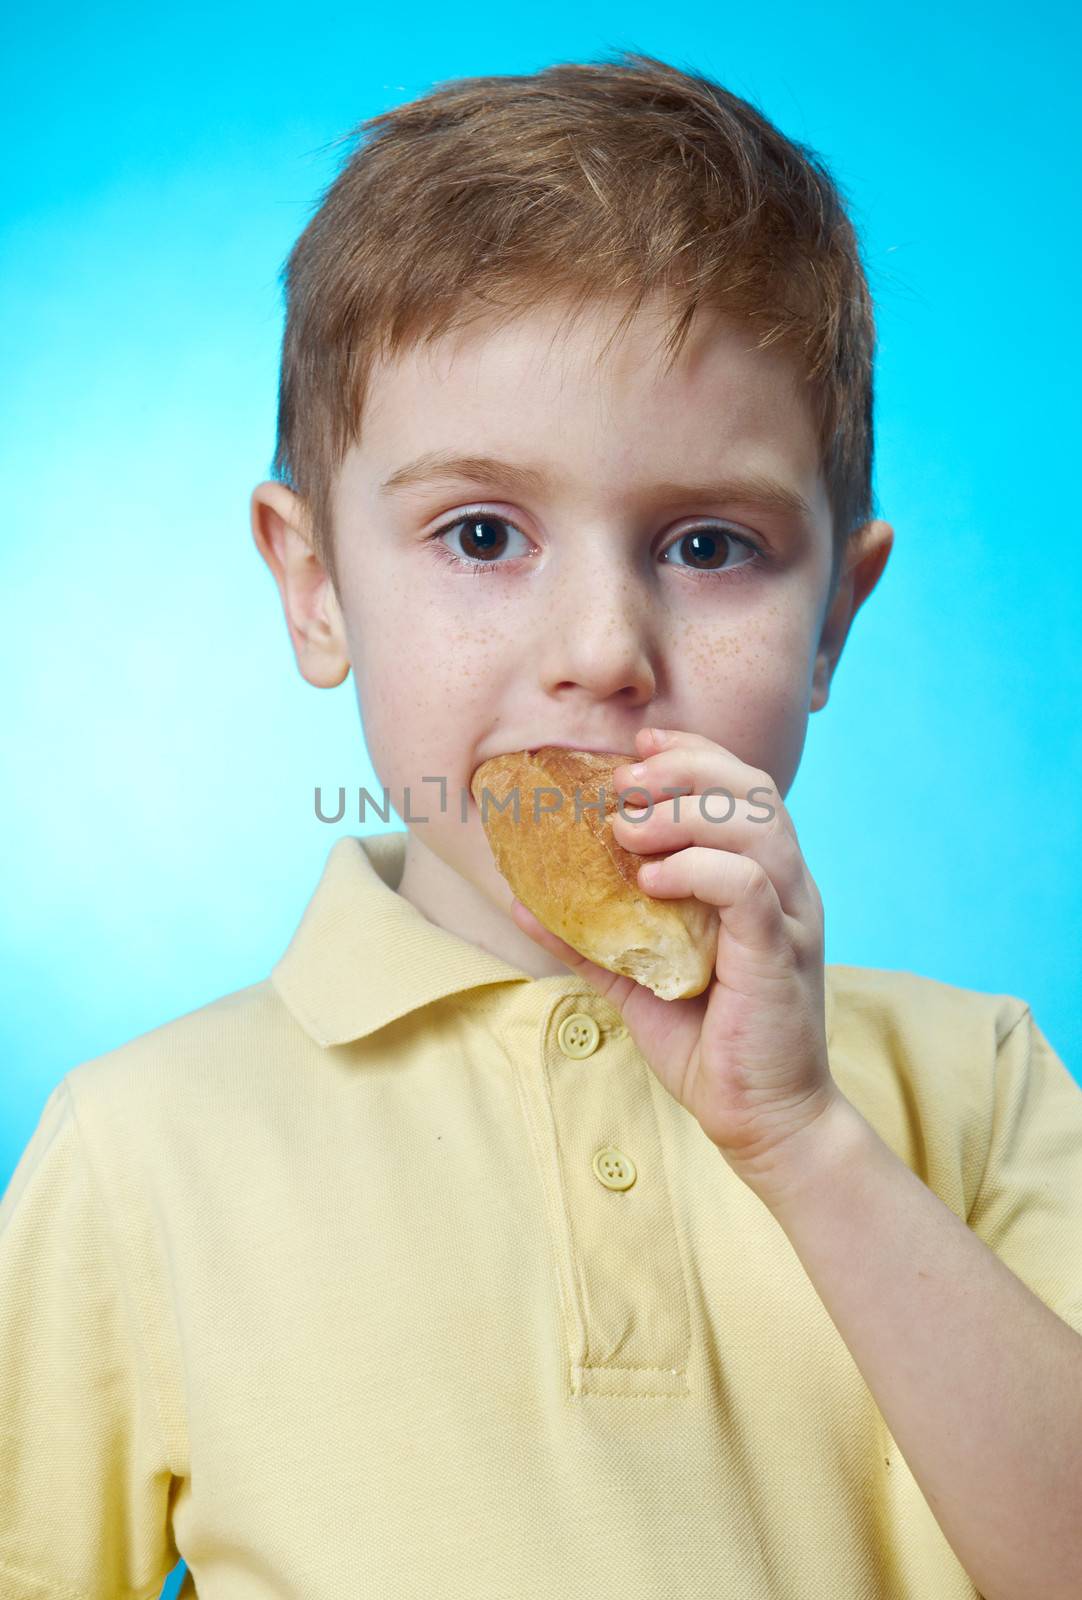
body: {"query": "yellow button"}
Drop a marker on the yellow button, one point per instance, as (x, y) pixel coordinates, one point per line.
(578, 1034)
(615, 1170)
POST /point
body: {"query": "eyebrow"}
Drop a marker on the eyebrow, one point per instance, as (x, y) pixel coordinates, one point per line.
(442, 465)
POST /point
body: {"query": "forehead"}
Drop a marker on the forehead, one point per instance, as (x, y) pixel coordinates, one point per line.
(606, 406)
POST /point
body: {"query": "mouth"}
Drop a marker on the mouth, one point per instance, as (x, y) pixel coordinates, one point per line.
(575, 744)
(588, 745)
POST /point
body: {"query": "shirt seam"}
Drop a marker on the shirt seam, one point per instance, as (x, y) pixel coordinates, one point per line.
(1000, 1046)
(62, 1592)
(132, 1308)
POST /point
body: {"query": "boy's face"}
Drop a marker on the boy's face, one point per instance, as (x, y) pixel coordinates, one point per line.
(581, 607)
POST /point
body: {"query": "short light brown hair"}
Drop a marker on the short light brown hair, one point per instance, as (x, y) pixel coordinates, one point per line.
(610, 180)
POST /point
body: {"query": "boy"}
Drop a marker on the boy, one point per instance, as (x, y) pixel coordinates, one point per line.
(443, 1262)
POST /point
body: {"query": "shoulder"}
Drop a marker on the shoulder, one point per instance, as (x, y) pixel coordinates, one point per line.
(919, 1059)
(875, 1002)
(230, 1047)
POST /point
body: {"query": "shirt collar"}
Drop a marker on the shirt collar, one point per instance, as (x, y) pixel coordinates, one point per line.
(363, 956)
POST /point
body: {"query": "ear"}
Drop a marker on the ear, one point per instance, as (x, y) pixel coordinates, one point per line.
(313, 615)
(863, 560)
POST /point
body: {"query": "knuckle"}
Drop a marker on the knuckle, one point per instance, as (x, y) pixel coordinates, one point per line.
(805, 942)
(815, 900)
(761, 780)
(758, 877)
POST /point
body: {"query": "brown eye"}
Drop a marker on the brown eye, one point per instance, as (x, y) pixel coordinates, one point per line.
(482, 537)
(709, 548)
(482, 540)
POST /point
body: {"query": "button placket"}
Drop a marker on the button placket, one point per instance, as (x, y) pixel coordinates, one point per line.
(630, 1331)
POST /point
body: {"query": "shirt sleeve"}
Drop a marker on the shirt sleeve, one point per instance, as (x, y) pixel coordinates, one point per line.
(84, 1482)
(1028, 1207)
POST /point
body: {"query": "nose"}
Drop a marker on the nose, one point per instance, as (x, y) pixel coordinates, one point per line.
(597, 636)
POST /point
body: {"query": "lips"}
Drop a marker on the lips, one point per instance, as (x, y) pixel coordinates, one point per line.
(575, 744)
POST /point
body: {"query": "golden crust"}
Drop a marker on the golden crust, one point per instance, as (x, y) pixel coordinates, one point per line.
(566, 865)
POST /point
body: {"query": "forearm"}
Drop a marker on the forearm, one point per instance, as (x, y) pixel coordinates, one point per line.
(979, 1382)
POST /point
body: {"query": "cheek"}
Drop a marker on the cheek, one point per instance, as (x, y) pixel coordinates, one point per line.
(425, 628)
(765, 658)
(751, 688)
(426, 686)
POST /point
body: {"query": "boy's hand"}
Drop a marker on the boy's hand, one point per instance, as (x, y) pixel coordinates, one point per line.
(748, 1057)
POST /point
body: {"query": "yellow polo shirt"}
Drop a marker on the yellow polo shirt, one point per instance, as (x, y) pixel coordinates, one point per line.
(398, 1274)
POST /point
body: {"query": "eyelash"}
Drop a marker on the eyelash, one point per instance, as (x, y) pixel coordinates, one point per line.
(729, 574)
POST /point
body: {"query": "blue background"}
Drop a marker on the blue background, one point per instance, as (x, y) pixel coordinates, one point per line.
(161, 749)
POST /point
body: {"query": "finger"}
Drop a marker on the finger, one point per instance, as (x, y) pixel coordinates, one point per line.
(696, 764)
(720, 822)
(537, 930)
(695, 778)
(740, 888)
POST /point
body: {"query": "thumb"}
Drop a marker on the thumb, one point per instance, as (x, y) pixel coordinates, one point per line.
(612, 985)
(659, 1028)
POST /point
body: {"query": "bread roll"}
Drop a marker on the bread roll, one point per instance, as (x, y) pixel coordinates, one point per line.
(578, 880)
